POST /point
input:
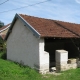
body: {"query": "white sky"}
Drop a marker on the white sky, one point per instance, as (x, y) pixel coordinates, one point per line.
(63, 10)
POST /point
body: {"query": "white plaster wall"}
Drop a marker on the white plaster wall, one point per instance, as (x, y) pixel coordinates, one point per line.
(43, 57)
(23, 46)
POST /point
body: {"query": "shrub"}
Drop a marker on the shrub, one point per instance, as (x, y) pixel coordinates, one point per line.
(2, 49)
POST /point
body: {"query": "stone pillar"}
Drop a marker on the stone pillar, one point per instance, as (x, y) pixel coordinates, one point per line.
(78, 64)
(61, 60)
(44, 64)
(43, 58)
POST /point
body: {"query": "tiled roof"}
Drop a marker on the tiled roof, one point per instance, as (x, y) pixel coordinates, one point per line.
(4, 27)
(2, 35)
(53, 28)
(74, 28)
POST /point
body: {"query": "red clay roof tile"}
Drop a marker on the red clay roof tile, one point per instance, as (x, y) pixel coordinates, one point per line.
(4, 27)
(53, 28)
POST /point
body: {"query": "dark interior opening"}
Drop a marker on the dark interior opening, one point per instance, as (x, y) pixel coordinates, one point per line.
(71, 45)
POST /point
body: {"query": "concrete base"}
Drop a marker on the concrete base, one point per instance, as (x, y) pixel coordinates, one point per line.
(61, 60)
(44, 63)
(78, 64)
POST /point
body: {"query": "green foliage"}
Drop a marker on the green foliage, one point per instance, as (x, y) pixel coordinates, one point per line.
(3, 55)
(2, 49)
(1, 41)
(1, 24)
(13, 71)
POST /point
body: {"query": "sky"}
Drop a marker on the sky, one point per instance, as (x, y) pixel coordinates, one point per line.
(63, 10)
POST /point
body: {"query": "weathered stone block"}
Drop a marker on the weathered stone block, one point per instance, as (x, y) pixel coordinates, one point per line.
(61, 56)
(61, 60)
(72, 66)
(72, 61)
(78, 64)
(61, 67)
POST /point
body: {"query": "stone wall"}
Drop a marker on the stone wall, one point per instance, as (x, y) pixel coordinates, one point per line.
(78, 64)
(63, 63)
(61, 60)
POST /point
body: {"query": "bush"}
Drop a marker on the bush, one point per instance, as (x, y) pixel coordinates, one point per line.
(2, 49)
(3, 55)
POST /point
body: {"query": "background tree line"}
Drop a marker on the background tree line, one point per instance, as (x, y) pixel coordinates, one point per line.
(2, 44)
(1, 24)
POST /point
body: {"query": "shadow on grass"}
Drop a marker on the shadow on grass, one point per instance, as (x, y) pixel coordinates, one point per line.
(3, 55)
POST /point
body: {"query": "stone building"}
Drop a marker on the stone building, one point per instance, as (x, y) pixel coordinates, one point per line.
(33, 41)
(3, 32)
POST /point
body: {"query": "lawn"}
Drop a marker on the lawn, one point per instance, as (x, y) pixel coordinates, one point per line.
(13, 71)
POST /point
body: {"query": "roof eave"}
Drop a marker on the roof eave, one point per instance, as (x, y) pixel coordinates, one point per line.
(59, 37)
(11, 26)
(5, 28)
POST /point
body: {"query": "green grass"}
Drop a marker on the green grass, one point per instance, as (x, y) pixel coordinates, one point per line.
(73, 74)
(13, 71)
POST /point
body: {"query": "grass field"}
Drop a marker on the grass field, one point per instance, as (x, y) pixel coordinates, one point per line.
(12, 71)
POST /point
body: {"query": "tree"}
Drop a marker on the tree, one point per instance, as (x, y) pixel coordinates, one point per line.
(1, 24)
